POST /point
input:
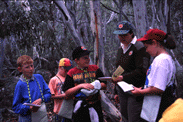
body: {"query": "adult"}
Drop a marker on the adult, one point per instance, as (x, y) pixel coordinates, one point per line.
(133, 58)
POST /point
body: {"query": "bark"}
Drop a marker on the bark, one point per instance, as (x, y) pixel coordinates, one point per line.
(97, 11)
(154, 13)
(120, 6)
(160, 17)
(68, 21)
(139, 13)
(1, 57)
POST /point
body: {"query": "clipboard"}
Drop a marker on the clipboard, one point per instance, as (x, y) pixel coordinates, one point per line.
(105, 78)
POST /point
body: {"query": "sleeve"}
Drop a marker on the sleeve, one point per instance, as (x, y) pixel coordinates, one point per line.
(46, 91)
(137, 76)
(52, 86)
(99, 73)
(18, 107)
(69, 83)
(159, 75)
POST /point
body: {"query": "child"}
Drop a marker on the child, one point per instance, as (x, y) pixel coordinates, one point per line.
(161, 73)
(79, 78)
(29, 89)
(56, 84)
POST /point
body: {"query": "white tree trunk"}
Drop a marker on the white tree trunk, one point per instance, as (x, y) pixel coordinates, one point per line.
(68, 21)
(140, 15)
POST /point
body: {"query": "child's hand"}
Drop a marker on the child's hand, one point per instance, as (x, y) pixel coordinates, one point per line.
(38, 101)
(87, 86)
(137, 91)
(34, 108)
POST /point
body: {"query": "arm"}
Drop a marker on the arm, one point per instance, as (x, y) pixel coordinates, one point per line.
(70, 89)
(71, 92)
(18, 106)
(52, 85)
(147, 91)
(46, 90)
(137, 76)
(99, 73)
(61, 96)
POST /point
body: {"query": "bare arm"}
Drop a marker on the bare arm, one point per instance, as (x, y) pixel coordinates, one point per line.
(147, 91)
(61, 96)
(103, 86)
(70, 92)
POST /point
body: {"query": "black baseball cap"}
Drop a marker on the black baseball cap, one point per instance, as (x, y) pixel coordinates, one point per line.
(79, 52)
(123, 27)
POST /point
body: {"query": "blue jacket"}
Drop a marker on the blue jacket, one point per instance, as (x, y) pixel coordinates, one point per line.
(21, 94)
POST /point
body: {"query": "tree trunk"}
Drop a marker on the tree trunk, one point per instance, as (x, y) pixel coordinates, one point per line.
(1, 57)
(68, 21)
(139, 13)
(97, 11)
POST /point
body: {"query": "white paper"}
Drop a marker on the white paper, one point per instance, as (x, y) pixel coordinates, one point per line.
(125, 86)
(30, 104)
(150, 107)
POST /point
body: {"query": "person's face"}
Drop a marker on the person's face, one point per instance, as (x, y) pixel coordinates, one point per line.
(151, 49)
(27, 70)
(62, 71)
(83, 61)
(125, 38)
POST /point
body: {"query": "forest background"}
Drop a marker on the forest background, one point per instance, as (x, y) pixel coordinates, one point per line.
(49, 30)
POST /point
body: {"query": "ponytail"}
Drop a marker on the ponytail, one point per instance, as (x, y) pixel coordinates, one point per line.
(169, 42)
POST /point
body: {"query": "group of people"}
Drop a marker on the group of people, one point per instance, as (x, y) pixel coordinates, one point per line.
(134, 55)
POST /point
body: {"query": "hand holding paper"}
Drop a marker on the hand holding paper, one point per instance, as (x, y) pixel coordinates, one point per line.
(117, 73)
(125, 86)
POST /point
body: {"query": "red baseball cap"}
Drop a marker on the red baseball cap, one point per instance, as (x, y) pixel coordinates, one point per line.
(156, 34)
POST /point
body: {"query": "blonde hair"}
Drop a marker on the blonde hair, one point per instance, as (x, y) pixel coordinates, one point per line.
(24, 59)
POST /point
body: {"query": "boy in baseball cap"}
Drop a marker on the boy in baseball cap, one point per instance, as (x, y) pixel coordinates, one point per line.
(56, 84)
(79, 78)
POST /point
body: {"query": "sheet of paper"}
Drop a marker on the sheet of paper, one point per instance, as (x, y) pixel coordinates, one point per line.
(30, 104)
(118, 72)
(125, 86)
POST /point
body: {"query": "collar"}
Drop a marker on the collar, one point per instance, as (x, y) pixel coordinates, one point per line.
(24, 80)
(82, 68)
(134, 40)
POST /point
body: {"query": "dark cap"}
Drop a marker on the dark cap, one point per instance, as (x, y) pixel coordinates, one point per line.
(79, 52)
(156, 34)
(123, 27)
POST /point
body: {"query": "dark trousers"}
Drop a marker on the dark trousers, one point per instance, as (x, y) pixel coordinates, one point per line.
(82, 115)
(130, 106)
